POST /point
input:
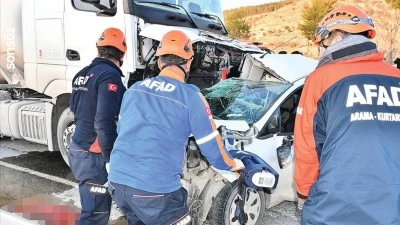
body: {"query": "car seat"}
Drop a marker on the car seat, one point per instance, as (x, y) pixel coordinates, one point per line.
(288, 114)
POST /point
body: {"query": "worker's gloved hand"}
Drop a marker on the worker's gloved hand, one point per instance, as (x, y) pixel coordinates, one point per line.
(105, 185)
(299, 208)
(108, 167)
(108, 171)
(238, 165)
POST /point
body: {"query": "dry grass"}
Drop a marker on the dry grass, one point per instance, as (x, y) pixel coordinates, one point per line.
(280, 27)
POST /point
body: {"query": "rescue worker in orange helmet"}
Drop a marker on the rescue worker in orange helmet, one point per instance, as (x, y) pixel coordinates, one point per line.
(146, 162)
(96, 98)
(347, 128)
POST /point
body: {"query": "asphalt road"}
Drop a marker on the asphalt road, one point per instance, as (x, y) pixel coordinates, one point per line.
(29, 170)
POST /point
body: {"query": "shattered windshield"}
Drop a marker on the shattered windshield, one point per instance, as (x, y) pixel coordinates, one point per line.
(237, 99)
(212, 7)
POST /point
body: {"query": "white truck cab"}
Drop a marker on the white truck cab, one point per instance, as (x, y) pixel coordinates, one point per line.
(44, 43)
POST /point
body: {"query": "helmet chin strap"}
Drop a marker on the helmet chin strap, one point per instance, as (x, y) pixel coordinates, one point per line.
(120, 62)
(179, 65)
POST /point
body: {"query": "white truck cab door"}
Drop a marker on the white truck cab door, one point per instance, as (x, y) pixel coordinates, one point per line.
(82, 29)
(47, 29)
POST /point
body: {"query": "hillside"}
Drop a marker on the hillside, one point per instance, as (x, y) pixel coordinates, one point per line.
(276, 24)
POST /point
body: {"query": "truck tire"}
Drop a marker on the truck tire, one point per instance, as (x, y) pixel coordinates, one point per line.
(65, 130)
(223, 207)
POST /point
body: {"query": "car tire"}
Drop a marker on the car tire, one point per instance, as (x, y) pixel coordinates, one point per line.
(221, 212)
(65, 130)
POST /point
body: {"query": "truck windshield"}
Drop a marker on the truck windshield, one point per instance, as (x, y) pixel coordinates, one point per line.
(212, 7)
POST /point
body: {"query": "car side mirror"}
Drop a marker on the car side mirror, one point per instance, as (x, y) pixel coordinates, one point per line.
(284, 152)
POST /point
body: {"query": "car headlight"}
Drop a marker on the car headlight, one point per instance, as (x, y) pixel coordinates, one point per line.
(185, 221)
(263, 179)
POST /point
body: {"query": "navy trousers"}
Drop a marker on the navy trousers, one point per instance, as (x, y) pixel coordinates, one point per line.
(146, 208)
(89, 169)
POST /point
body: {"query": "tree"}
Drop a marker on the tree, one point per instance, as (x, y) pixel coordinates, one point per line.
(391, 29)
(312, 14)
(237, 25)
(395, 3)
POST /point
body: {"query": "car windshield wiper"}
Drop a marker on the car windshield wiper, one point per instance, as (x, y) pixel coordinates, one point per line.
(210, 16)
(175, 6)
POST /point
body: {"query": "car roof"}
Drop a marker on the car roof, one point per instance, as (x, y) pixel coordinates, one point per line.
(289, 67)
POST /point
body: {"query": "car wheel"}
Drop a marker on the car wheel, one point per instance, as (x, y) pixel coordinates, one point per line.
(65, 130)
(222, 211)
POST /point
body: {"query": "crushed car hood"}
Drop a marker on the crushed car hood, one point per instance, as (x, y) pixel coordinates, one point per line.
(276, 67)
(156, 32)
(237, 125)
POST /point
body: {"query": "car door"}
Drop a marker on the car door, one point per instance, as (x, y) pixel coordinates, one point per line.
(274, 144)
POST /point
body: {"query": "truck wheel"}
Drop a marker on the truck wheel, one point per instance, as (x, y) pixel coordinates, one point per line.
(222, 211)
(65, 130)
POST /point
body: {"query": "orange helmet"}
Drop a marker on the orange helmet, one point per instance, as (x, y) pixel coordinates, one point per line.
(346, 18)
(175, 43)
(112, 37)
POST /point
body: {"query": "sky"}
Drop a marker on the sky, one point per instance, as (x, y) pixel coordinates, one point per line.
(230, 4)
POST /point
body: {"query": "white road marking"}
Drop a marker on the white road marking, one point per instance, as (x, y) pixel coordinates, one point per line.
(39, 174)
(69, 196)
(4, 153)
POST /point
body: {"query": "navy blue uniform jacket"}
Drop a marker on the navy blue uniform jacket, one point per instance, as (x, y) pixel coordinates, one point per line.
(97, 92)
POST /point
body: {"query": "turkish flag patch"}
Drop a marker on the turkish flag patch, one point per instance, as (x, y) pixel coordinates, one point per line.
(112, 87)
(208, 111)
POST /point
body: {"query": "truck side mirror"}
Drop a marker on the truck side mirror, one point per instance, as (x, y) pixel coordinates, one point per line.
(102, 5)
(109, 9)
(91, 1)
(107, 12)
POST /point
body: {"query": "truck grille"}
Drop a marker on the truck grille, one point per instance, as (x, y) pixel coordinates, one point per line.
(33, 123)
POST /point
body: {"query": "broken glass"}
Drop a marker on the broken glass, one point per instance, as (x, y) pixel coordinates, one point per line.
(239, 99)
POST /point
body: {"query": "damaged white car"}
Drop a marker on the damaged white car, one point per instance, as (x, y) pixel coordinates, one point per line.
(257, 112)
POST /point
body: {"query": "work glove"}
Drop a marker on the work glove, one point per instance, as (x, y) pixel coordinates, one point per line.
(238, 165)
(108, 171)
(106, 185)
(299, 208)
(108, 168)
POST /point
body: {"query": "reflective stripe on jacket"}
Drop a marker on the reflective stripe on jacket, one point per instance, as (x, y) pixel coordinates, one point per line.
(157, 117)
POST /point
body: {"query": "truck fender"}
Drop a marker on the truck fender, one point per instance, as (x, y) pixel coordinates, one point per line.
(56, 88)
